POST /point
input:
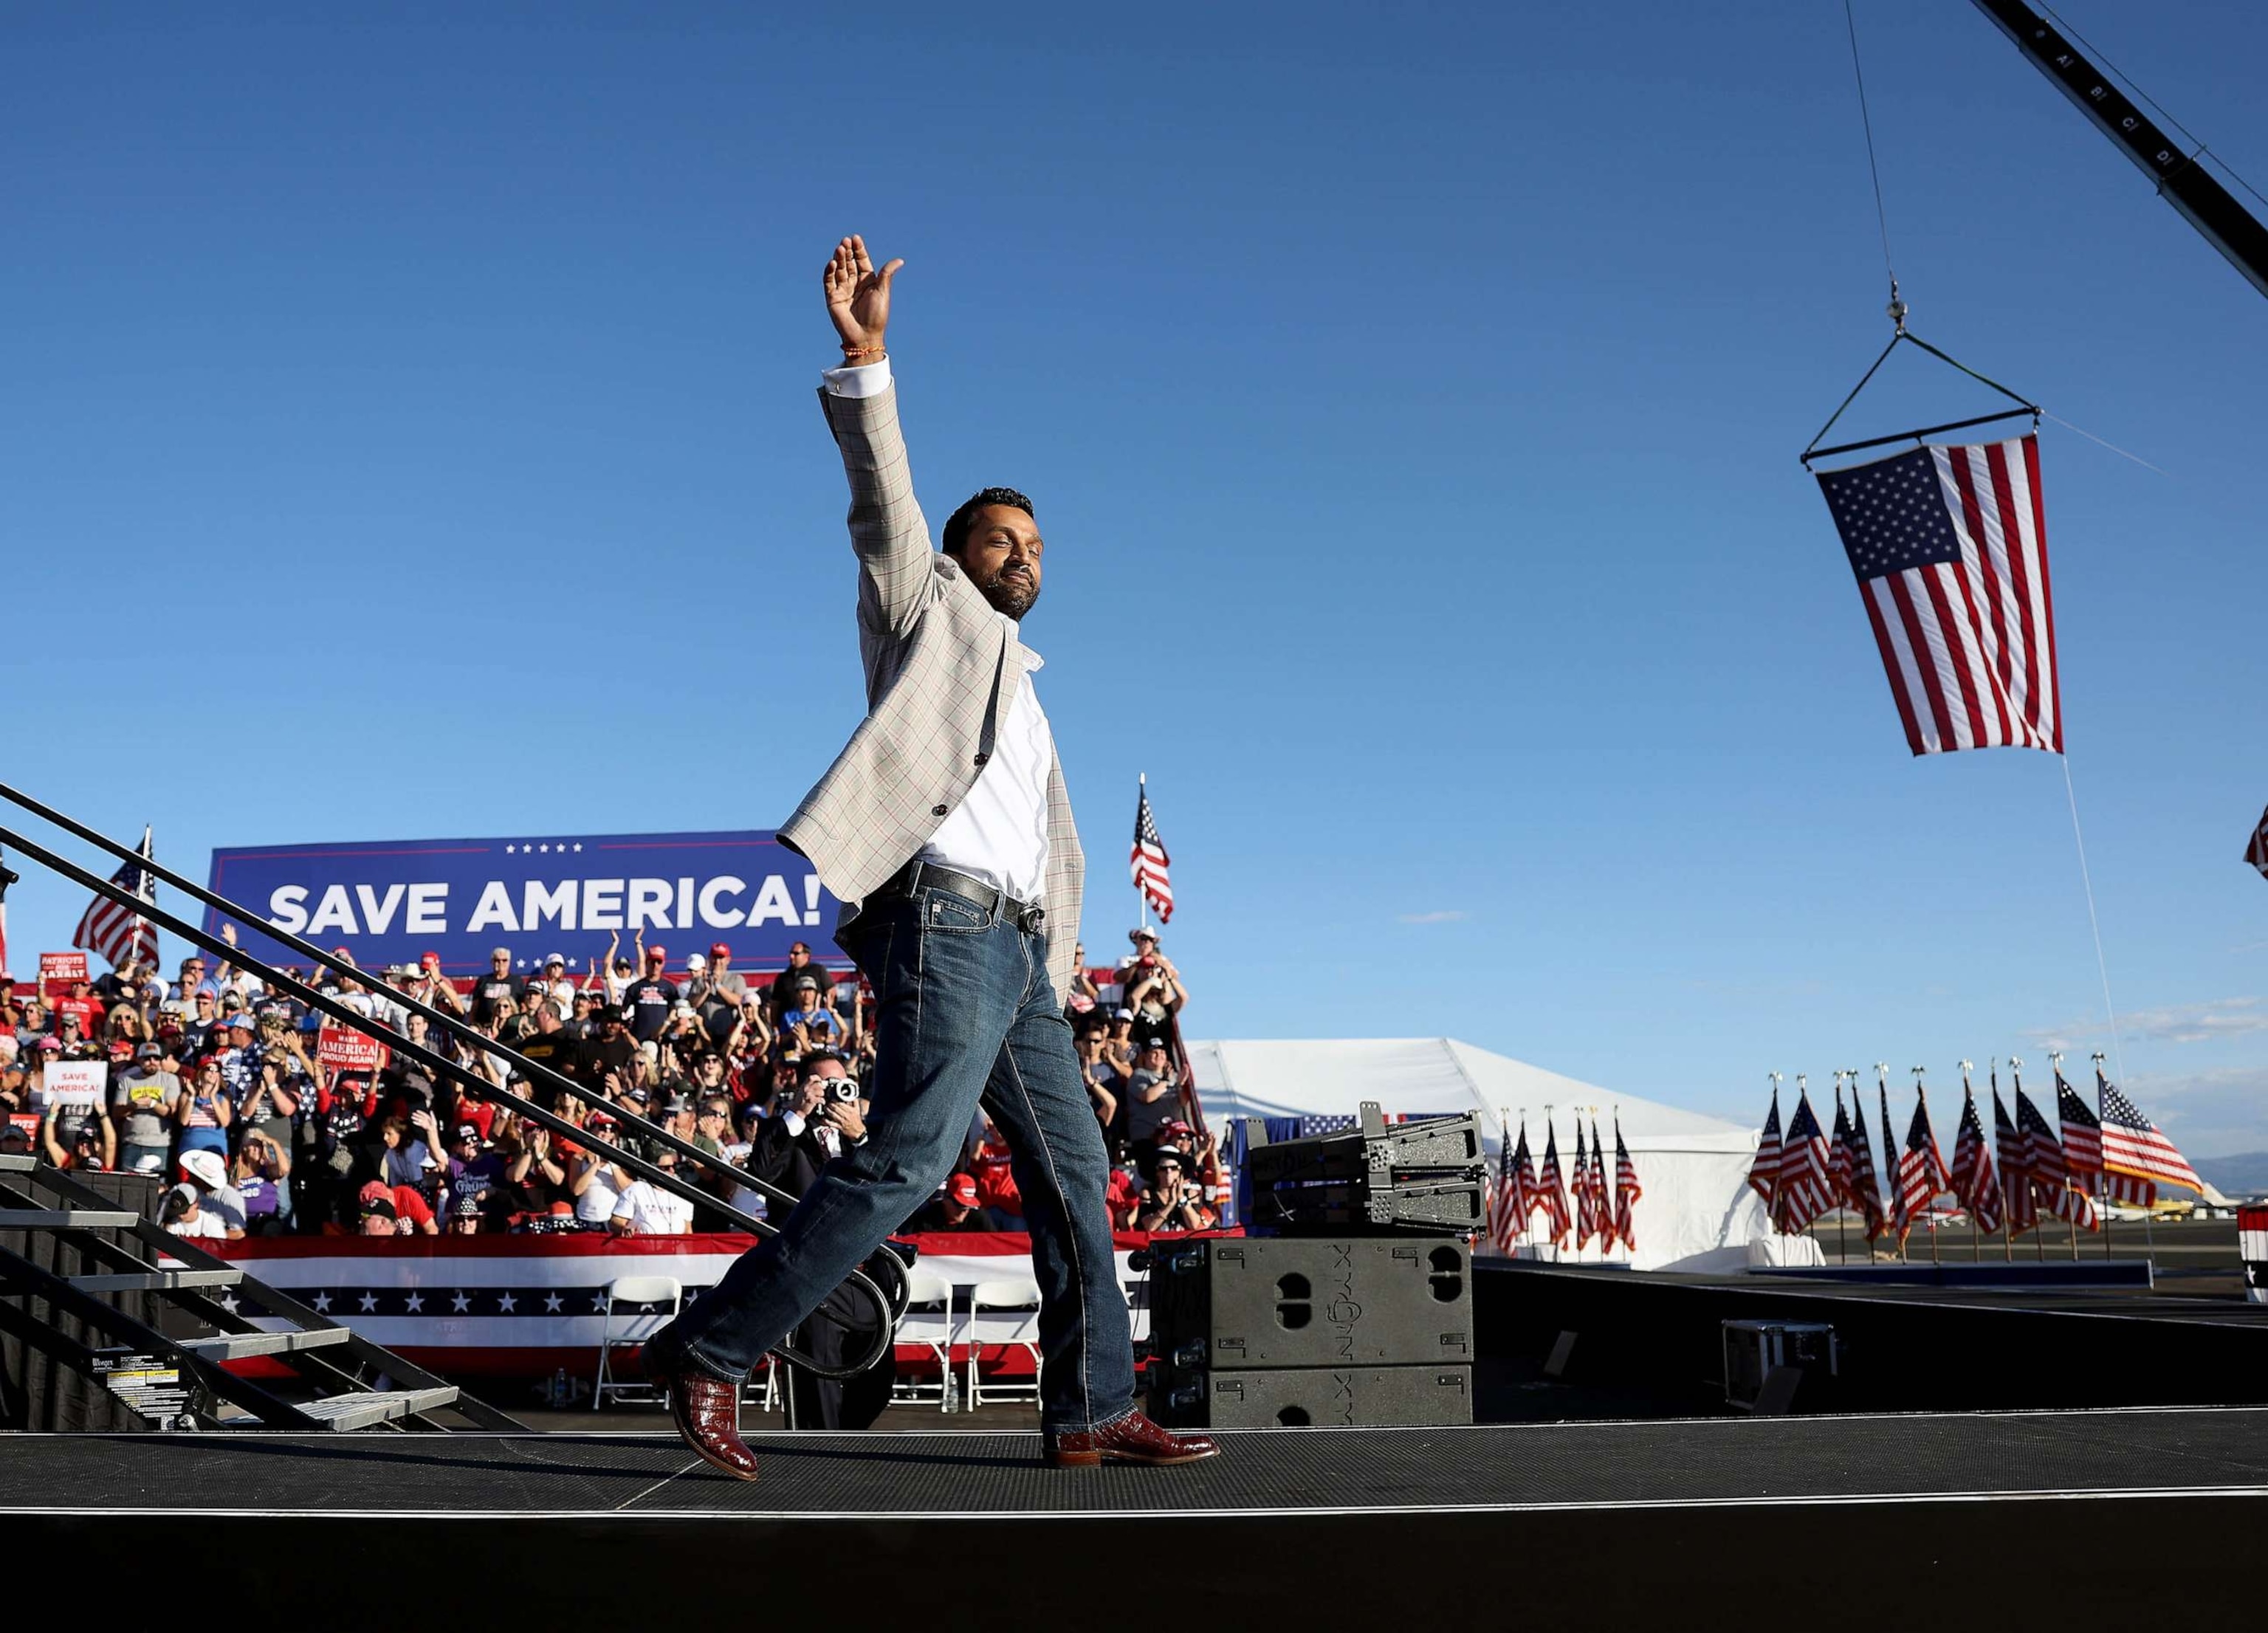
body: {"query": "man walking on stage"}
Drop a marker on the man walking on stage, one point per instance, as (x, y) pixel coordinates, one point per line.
(944, 828)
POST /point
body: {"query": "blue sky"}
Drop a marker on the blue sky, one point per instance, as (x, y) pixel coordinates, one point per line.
(1410, 399)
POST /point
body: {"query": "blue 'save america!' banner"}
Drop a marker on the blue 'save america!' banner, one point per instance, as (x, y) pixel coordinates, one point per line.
(390, 902)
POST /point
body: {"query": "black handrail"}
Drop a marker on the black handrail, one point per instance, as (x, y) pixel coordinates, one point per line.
(901, 1292)
(445, 1067)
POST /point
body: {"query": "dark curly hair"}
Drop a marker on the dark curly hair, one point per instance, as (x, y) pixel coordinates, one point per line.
(956, 525)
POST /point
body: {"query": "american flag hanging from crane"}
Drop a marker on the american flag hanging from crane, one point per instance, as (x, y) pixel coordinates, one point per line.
(1148, 860)
(119, 933)
(1949, 545)
(2257, 851)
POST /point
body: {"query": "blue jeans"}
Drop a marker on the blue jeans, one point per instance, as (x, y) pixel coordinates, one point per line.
(965, 1014)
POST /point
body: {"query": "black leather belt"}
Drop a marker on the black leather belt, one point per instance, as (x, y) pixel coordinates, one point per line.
(917, 876)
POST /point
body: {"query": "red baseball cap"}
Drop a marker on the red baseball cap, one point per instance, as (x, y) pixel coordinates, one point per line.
(963, 1189)
(718, 950)
(431, 961)
(660, 952)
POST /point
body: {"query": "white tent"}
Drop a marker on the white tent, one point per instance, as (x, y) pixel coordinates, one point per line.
(1696, 1211)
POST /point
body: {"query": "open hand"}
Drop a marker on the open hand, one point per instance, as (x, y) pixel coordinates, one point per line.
(857, 297)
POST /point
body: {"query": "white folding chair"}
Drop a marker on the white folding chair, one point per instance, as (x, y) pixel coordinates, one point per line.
(928, 1322)
(1023, 1298)
(626, 1327)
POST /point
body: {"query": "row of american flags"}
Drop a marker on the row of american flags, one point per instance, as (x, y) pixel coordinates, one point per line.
(2110, 1152)
(1580, 1206)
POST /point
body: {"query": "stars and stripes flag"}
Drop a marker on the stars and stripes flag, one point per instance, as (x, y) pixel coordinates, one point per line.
(1586, 1203)
(1838, 1149)
(1806, 1190)
(1627, 1190)
(1950, 549)
(1921, 1167)
(2013, 1144)
(1972, 1178)
(2082, 1133)
(1602, 1208)
(2051, 1180)
(2256, 852)
(1148, 860)
(1860, 1188)
(1552, 1194)
(2132, 1146)
(1514, 1198)
(1764, 1172)
(119, 933)
(1892, 1165)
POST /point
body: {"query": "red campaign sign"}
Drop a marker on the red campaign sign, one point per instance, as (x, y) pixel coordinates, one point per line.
(344, 1050)
(58, 970)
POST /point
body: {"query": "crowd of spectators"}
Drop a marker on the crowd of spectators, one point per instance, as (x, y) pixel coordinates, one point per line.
(218, 1087)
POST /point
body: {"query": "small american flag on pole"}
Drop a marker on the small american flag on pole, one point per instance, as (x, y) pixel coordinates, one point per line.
(1807, 1187)
(1627, 1190)
(2131, 1144)
(1515, 1194)
(1973, 1180)
(1551, 1192)
(119, 933)
(1921, 1167)
(1764, 1172)
(1586, 1205)
(1148, 860)
(2012, 1143)
(2050, 1173)
(1950, 549)
(1603, 1200)
(2082, 1133)
(2257, 851)
(1863, 1189)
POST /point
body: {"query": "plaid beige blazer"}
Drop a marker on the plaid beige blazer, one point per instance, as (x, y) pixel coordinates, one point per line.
(939, 680)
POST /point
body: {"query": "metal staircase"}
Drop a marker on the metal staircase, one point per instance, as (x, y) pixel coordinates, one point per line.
(110, 1296)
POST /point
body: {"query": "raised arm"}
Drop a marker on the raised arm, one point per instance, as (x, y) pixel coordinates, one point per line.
(887, 532)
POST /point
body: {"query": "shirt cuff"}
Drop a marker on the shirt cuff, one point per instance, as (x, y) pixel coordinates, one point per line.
(867, 379)
(794, 1122)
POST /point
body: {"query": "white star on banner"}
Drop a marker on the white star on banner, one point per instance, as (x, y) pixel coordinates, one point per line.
(415, 1303)
(551, 1302)
(322, 1304)
(507, 850)
(598, 1301)
(228, 1303)
(369, 1302)
(578, 844)
(505, 1303)
(461, 1302)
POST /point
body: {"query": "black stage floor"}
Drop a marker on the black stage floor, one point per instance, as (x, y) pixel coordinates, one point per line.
(1676, 1517)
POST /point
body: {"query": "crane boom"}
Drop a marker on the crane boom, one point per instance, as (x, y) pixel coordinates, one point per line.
(2188, 186)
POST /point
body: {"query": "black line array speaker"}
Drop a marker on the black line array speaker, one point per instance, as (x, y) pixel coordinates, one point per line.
(1422, 1178)
(1316, 1397)
(1256, 1313)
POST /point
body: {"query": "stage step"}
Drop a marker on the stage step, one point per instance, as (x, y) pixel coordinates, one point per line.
(155, 1281)
(384, 1406)
(65, 1219)
(237, 1346)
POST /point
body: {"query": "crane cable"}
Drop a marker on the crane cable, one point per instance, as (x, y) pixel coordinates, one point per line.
(1897, 308)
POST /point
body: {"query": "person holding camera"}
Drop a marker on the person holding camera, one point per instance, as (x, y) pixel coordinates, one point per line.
(825, 1119)
(1173, 1200)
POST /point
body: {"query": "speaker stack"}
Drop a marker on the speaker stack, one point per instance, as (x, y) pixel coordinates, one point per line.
(1356, 1312)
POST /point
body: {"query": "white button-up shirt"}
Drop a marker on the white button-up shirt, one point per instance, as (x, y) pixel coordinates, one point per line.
(999, 832)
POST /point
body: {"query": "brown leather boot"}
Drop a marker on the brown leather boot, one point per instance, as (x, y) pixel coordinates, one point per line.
(1133, 1438)
(705, 1408)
